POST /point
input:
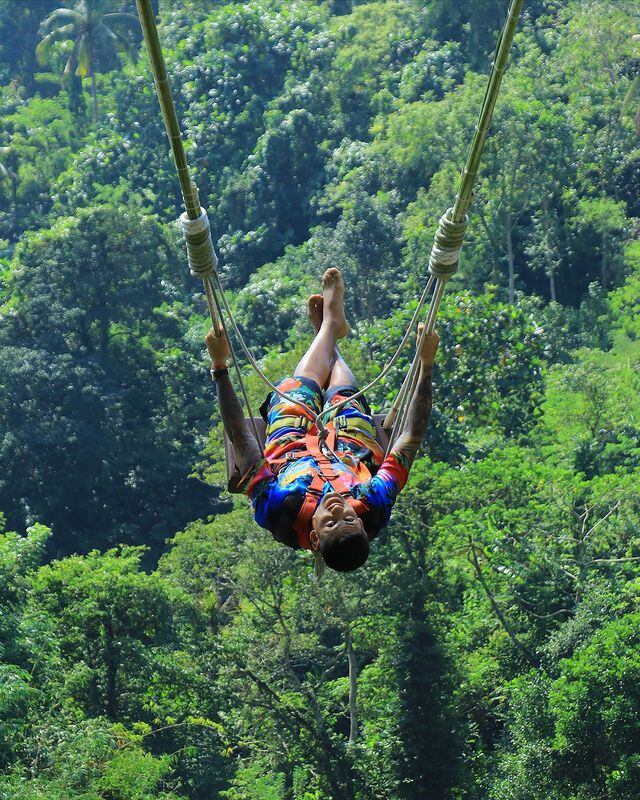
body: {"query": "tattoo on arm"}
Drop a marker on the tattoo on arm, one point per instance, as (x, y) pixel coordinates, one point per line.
(418, 414)
(237, 427)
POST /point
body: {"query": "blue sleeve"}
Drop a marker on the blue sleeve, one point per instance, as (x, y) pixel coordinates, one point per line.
(268, 499)
(260, 485)
(382, 490)
(378, 498)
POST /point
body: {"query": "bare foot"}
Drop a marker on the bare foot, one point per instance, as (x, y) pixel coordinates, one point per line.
(333, 293)
(314, 311)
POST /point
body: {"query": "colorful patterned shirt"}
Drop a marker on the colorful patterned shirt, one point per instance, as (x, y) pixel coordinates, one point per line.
(277, 498)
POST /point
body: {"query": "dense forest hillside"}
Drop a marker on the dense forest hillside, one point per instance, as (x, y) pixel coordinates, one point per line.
(154, 642)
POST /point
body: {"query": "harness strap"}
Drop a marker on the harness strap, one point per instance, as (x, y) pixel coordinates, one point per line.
(324, 472)
(286, 422)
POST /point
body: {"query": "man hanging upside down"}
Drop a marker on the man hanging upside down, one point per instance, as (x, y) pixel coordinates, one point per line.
(333, 499)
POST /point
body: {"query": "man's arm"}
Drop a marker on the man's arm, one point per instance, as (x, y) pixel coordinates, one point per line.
(419, 409)
(381, 492)
(245, 448)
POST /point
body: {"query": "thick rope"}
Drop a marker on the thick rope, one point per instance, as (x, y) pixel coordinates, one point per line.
(234, 358)
(200, 253)
(335, 410)
(396, 418)
(447, 243)
(202, 259)
(445, 252)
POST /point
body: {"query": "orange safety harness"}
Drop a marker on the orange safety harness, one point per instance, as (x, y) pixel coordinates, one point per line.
(320, 445)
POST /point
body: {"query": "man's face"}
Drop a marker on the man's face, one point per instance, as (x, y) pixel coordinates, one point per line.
(334, 517)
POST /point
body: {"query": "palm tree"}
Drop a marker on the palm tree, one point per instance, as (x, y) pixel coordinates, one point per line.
(93, 32)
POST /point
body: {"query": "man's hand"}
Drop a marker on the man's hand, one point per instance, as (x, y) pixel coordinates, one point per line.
(429, 346)
(218, 347)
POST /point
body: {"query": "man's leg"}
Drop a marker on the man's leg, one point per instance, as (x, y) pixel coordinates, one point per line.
(358, 435)
(317, 363)
(341, 374)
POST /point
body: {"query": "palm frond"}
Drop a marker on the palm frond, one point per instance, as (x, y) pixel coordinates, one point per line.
(43, 50)
(118, 39)
(84, 57)
(7, 174)
(120, 18)
(103, 30)
(59, 17)
(71, 61)
(68, 67)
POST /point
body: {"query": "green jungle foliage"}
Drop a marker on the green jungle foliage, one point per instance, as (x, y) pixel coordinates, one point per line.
(155, 644)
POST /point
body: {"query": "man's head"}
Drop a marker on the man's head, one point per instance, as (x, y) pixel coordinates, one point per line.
(338, 533)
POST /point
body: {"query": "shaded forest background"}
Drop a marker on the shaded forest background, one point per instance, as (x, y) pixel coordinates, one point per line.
(154, 643)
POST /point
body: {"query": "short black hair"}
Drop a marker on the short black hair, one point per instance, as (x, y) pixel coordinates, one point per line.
(345, 553)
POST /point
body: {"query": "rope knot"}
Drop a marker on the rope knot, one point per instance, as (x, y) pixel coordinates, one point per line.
(447, 243)
(200, 253)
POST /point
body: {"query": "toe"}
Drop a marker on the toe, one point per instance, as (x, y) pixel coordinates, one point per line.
(331, 277)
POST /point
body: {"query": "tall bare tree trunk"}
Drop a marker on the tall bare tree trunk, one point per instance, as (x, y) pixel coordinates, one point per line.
(508, 235)
(14, 200)
(551, 271)
(473, 557)
(604, 264)
(353, 689)
(94, 95)
(552, 284)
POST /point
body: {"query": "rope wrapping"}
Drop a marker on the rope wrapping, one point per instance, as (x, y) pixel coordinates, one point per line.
(447, 244)
(200, 253)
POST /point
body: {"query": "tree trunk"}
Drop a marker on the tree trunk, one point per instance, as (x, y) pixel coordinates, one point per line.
(580, 554)
(353, 689)
(473, 557)
(551, 271)
(508, 235)
(14, 200)
(104, 332)
(604, 264)
(552, 285)
(94, 95)
(288, 788)
(337, 770)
